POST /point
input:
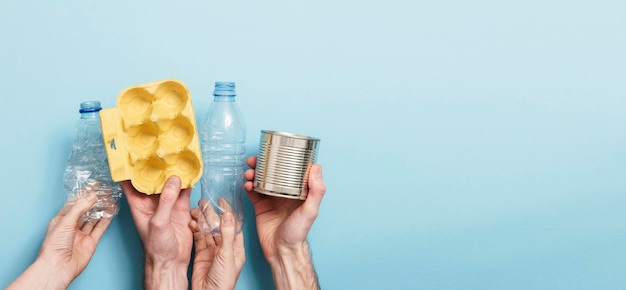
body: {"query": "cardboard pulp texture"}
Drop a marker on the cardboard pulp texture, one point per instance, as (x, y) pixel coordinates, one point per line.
(151, 134)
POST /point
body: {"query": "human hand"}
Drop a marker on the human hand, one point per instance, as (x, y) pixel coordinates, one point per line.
(67, 248)
(283, 225)
(162, 222)
(218, 259)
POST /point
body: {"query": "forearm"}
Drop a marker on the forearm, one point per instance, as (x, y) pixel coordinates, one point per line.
(165, 276)
(38, 276)
(293, 268)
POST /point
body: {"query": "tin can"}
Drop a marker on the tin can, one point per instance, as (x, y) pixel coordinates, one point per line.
(284, 163)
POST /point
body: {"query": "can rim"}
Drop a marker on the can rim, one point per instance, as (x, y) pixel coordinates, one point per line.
(291, 135)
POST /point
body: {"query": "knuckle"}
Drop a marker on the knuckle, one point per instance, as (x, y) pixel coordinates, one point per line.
(158, 223)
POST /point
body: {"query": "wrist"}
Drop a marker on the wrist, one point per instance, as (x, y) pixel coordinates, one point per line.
(165, 275)
(292, 267)
(40, 275)
(50, 272)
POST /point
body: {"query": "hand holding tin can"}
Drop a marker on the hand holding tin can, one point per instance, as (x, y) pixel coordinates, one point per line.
(284, 163)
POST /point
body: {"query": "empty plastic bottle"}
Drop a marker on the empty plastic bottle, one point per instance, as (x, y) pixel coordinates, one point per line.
(87, 167)
(223, 138)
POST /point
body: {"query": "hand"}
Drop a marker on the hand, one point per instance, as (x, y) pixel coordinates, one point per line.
(218, 259)
(67, 248)
(162, 222)
(283, 225)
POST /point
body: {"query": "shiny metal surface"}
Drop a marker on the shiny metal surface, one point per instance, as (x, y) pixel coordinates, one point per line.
(283, 164)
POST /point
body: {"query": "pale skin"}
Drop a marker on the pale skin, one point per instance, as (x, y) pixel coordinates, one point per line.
(164, 222)
(283, 225)
(218, 259)
(67, 248)
(167, 231)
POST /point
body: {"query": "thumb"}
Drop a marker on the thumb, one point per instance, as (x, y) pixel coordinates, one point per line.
(167, 200)
(227, 230)
(316, 192)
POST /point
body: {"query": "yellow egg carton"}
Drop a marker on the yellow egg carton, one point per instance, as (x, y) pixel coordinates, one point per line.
(151, 134)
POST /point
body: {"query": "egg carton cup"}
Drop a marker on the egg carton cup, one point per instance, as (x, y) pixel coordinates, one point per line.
(151, 134)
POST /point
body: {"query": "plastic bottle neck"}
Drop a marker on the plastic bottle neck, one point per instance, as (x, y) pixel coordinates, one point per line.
(224, 92)
(89, 110)
(222, 98)
(89, 115)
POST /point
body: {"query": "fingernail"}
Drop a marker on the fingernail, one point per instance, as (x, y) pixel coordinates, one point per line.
(228, 218)
(172, 183)
(175, 180)
(91, 196)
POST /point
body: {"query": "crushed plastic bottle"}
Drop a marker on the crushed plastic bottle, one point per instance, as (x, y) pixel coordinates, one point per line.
(87, 167)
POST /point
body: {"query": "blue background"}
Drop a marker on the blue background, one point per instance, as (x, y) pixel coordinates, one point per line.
(465, 144)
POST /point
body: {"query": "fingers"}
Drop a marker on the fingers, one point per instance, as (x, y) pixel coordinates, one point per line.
(249, 174)
(196, 220)
(66, 208)
(317, 189)
(202, 204)
(77, 210)
(167, 200)
(194, 214)
(251, 161)
(224, 205)
(208, 219)
(88, 226)
(99, 228)
(249, 185)
(198, 238)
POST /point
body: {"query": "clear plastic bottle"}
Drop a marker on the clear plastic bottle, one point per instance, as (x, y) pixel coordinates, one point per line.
(87, 167)
(223, 138)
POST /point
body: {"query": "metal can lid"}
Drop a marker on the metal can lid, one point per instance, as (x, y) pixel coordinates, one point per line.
(290, 135)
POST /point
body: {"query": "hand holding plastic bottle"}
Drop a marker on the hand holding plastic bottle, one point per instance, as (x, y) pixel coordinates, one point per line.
(67, 248)
(283, 226)
(218, 258)
(163, 225)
